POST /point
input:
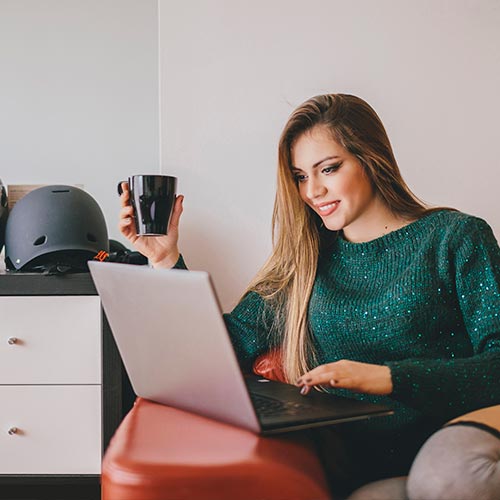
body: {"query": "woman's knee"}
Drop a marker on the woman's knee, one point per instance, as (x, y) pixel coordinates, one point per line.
(457, 462)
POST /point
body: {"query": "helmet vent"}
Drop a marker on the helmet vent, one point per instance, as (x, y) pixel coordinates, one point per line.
(60, 190)
(91, 237)
(40, 241)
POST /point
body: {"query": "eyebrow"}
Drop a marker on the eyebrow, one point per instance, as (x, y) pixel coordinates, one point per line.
(318, 162)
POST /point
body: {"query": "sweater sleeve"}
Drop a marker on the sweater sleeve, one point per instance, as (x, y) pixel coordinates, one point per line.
(249, 326)
(450, 387)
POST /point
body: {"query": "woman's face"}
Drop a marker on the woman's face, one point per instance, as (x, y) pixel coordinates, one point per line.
(332, 181)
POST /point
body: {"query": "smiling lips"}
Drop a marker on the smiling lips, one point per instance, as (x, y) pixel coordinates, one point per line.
(326, 209)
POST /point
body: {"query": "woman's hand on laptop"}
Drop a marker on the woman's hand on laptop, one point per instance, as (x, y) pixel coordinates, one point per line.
(162, 251)
(352, 375)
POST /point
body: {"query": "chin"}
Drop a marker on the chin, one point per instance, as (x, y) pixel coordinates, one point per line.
(332, 226)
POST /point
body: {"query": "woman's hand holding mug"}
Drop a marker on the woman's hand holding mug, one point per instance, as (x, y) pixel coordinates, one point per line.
(162, 251)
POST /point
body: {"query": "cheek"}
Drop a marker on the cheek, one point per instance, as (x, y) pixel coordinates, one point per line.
(360, 189)
(367, 192)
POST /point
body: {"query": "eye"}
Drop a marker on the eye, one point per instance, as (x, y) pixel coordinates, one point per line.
(300, 177)
(331, 168)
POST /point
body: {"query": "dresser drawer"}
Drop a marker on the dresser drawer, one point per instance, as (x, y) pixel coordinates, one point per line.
(53, 430)
(50, 340)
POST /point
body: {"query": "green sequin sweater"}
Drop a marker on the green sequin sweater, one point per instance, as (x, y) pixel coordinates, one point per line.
(423, 300)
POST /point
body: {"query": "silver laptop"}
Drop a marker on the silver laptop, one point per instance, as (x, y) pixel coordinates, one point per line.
(171, 335)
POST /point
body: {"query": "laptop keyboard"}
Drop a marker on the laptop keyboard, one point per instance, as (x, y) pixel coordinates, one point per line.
(269, 407)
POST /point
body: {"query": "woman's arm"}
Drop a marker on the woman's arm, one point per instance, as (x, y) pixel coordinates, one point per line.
(449, 387)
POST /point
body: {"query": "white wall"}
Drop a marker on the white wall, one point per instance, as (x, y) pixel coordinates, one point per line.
(233, 70)
(79, 94)
(79, 102)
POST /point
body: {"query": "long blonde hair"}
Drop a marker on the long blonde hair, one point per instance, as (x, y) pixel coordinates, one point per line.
(287, 278)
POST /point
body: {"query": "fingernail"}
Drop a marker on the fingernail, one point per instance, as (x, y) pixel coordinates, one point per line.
(304, 390)
(332, 382)
(299, 382)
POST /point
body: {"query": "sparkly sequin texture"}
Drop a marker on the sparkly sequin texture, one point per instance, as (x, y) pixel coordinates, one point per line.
(425, 301)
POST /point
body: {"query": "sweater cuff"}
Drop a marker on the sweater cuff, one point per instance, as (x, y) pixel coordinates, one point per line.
(180, 264)
(403, 384)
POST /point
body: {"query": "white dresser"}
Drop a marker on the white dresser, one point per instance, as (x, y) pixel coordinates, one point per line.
(60, 380)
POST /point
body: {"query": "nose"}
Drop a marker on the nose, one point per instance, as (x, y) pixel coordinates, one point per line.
(315, 188)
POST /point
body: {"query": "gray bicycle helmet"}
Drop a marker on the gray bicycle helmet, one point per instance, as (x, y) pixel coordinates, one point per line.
(54, 229)
(3, 213)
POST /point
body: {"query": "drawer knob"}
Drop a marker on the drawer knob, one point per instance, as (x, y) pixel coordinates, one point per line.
(12, 431)
(12, 340)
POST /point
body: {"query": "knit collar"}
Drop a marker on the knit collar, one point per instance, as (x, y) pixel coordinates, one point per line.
(411, 232)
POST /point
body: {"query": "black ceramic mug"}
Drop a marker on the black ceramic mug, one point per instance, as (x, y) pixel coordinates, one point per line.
(153, 198)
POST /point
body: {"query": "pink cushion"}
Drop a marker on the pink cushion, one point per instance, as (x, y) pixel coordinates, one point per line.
(269, 365)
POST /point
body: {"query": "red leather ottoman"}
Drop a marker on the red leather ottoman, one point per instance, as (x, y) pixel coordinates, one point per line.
(159, 452)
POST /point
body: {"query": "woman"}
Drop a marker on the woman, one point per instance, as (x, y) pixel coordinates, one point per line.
(368, 293)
